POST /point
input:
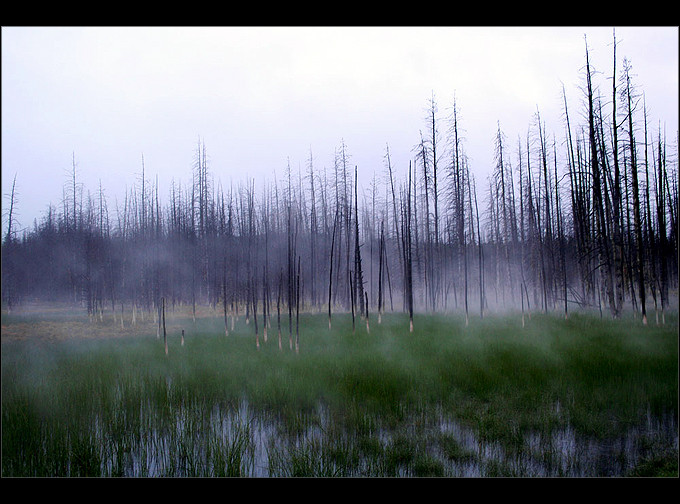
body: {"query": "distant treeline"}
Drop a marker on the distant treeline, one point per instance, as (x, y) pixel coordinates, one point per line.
(586, 218)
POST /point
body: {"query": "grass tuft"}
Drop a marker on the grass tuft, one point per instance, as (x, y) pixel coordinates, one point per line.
(348, 404)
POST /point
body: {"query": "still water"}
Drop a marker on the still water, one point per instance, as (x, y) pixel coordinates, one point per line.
(239, 441)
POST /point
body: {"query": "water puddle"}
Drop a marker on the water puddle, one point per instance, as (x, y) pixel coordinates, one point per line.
(239, 441)
(564, 453)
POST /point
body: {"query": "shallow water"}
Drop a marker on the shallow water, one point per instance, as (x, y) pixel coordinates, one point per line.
(256, 436)
(564, 453)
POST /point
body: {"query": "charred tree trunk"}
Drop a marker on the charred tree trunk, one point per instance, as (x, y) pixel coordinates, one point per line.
(297, 309)
(637, 224)
(409, 256)
(358, 272)
(598, 204)
(330, 269)
(381, 249)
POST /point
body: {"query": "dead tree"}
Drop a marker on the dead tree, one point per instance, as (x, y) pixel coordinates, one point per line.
(406, 220)
(8, 253)
(359, 277)
(368, 329)
(616, 196)
(297, 309)
(637, 224)
(253, 289)
(598, 204)
(330, 269)
(278, 306)
(381, 258)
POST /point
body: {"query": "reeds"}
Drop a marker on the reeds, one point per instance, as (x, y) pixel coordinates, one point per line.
(489, 398)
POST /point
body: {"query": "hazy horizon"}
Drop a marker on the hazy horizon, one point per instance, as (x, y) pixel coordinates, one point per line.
(263, 97)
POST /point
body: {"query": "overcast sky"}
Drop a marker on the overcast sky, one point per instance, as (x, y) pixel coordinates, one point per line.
(259, 97)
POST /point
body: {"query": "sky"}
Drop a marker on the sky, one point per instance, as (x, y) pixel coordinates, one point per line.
(261, 98)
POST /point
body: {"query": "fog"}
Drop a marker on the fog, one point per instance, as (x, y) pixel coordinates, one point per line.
(261, 97)
(203, 165)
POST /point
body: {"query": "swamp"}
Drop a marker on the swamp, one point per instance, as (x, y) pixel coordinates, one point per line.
(581, 397)
(486, 294)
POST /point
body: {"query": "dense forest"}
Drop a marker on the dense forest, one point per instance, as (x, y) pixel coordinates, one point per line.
(581, 218)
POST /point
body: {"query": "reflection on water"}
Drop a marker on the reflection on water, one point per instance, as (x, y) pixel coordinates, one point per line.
(238, 441)
(565, 454)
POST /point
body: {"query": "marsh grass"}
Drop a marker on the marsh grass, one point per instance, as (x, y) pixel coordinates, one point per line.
(488, 399)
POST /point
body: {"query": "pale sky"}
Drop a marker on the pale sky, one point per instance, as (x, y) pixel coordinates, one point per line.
(259, 97)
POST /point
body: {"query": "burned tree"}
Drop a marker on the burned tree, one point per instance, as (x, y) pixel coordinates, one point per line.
(637, 223)
(9, 249)
(593, 224)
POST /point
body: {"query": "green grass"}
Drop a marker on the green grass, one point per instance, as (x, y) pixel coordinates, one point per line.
(349, 403)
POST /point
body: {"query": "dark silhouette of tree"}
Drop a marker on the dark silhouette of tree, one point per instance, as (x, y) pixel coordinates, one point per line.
(9, 253)
(589, 221)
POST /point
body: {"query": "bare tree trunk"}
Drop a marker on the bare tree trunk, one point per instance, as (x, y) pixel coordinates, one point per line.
(351, 295)
(560, 238)
(661, 223)
(278, 306)
(637, 224)
(224, 295)
(368, 329)
(165, 336)
(616, 196)
(480, 257)
(409, 262)
(264, 304)
(254, 300)
(652, 257)
(358, 272)
(313, 230)
(399, 241)
(297, 310)
(9, 259)
(381, 249)
(330, 274)
(598, 206)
